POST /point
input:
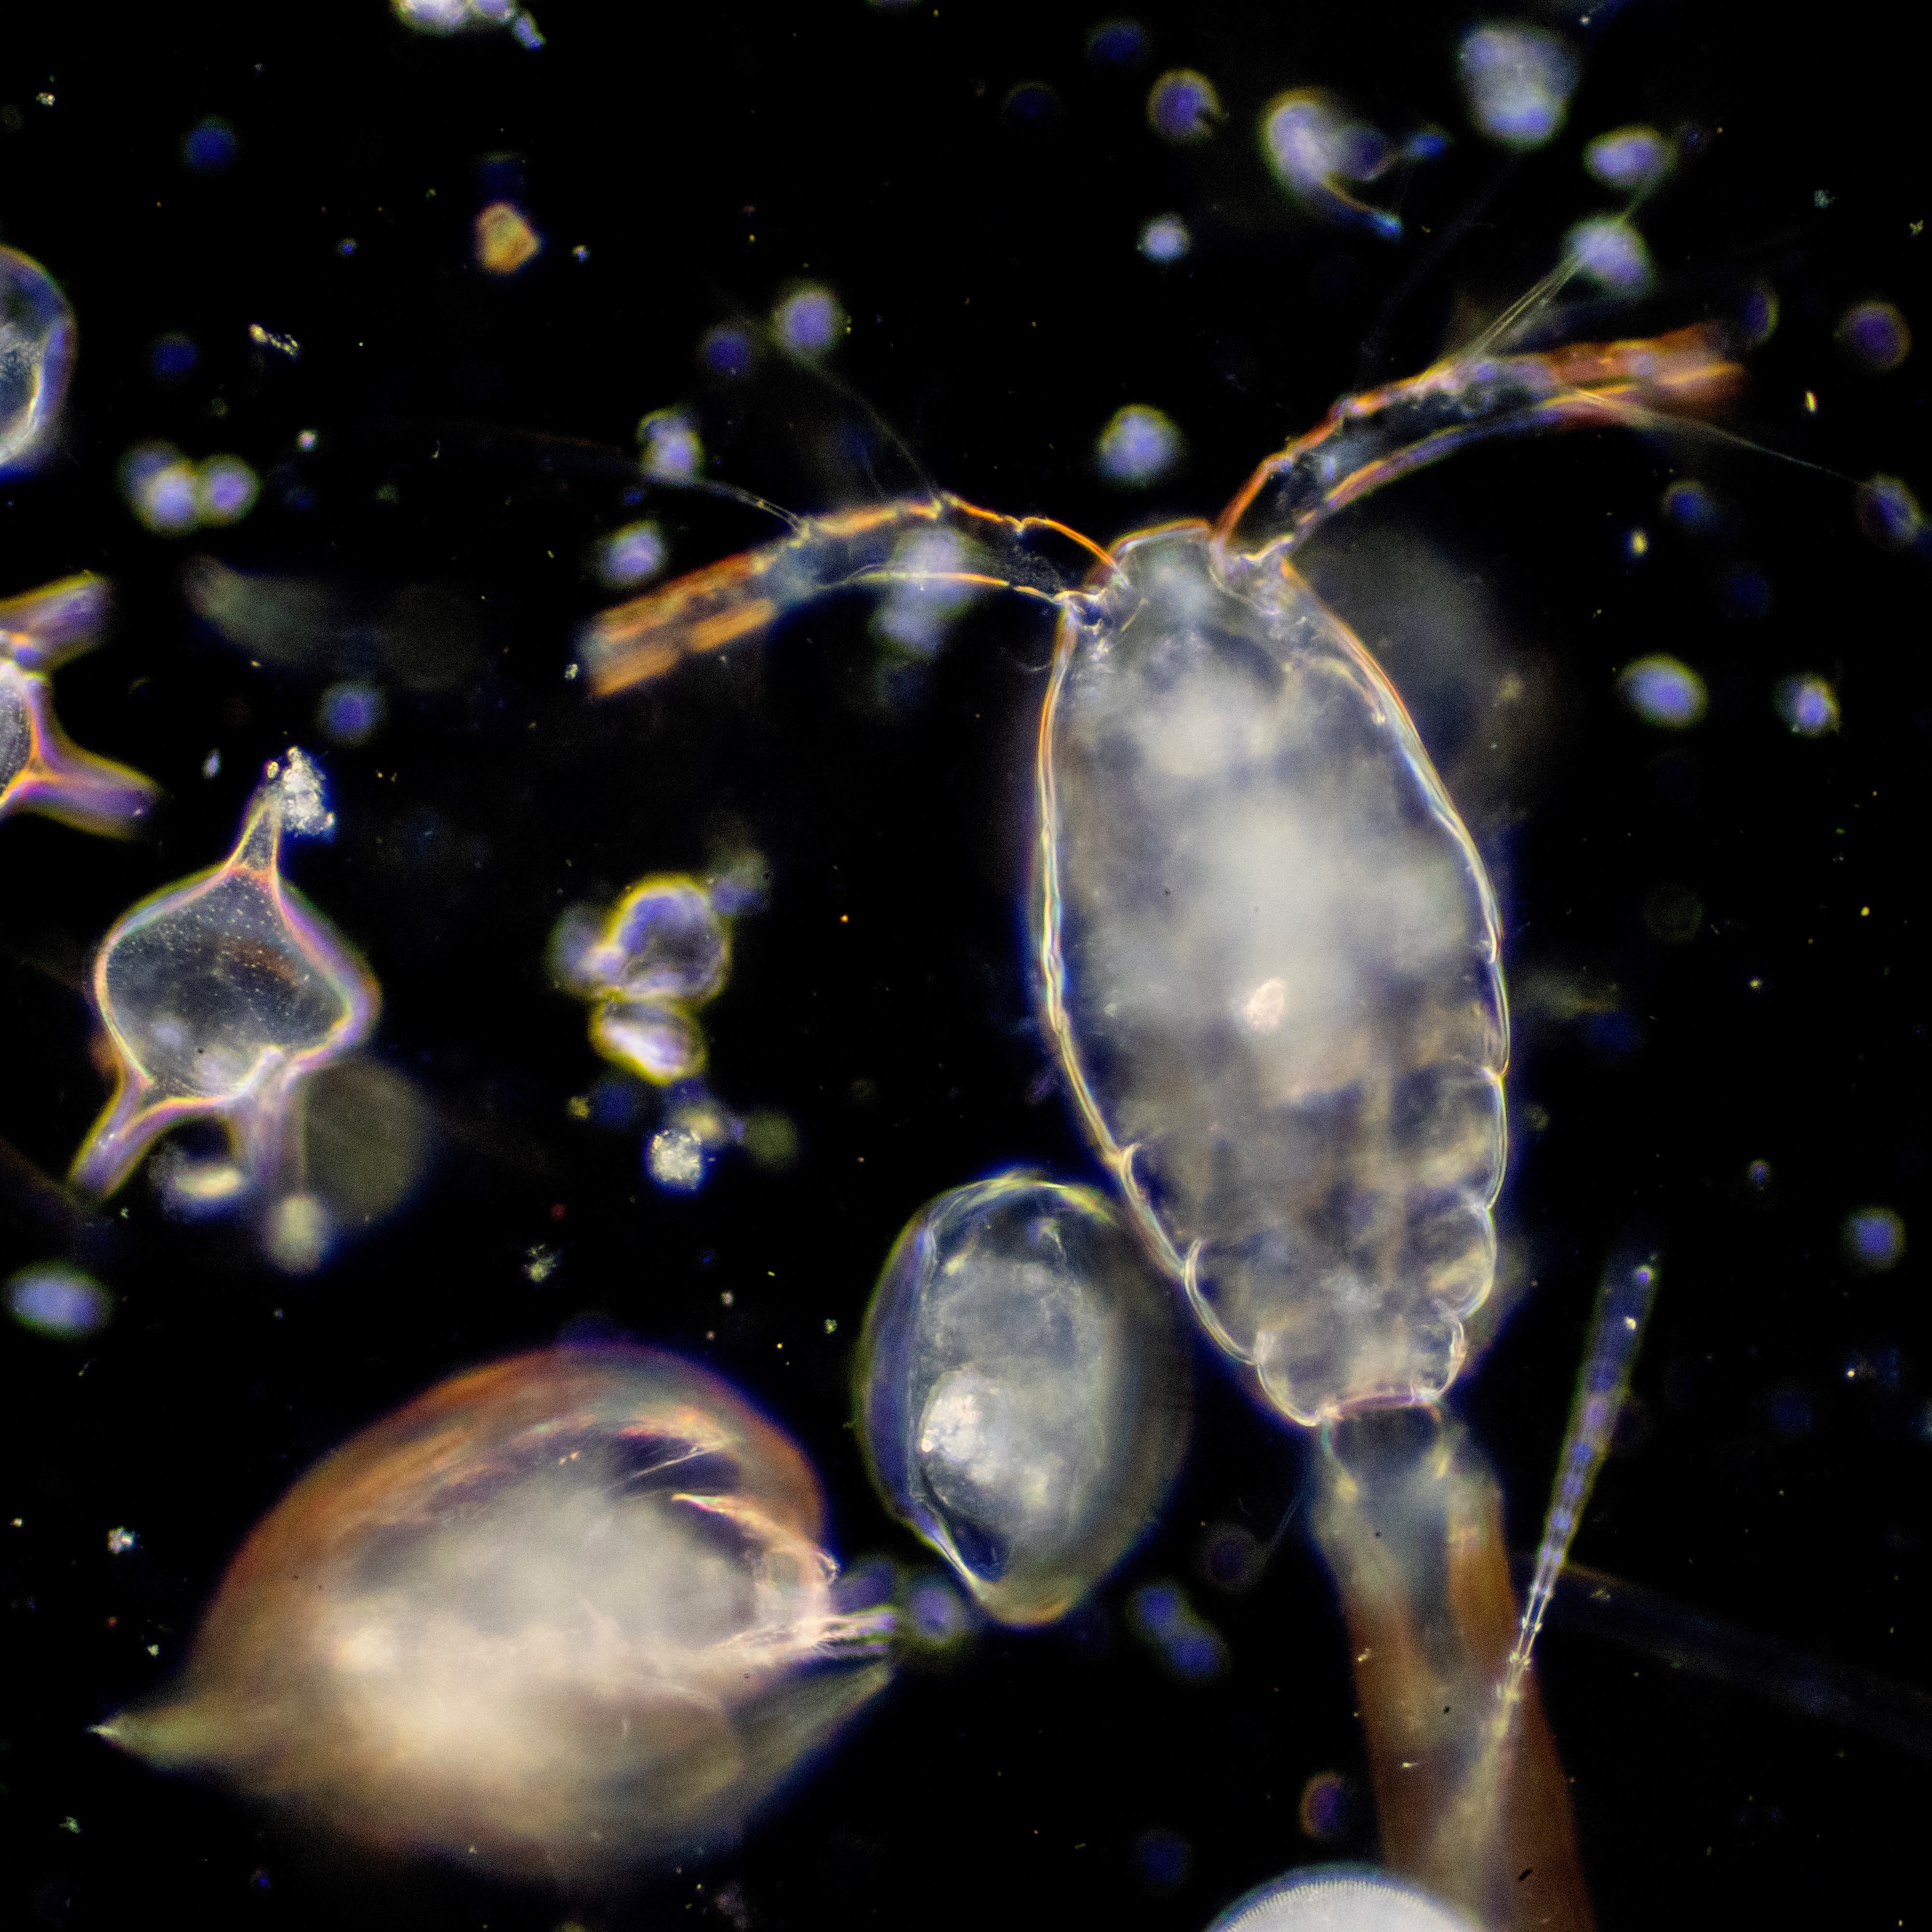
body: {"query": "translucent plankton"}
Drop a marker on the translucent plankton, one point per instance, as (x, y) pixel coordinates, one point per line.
(1267, 952)
(1663, 692)
(1022, 1390)
(1517, 80)
(1629, 158)
(41, 769)
(555, 1615)
(37, 343)
(645, 966)
(1314, 146)
(220, 996)
(1607, 250)
(1139, 445)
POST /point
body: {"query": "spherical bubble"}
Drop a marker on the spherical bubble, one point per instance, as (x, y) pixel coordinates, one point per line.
(58, 1301)
(1340, 1898)
(1628, 158)
(1032, 106)
(210, 146)
(727, 350)
(1517, 81)
(558, 1614)
(1808, 705)
(160, 485)
(1663, 692)
(1329, 1808)
(1608, 250)
(1875, 1238)
(1691, 507)
(1118, 44)
(675, 1160)
(350, 713)
(1888, 513)
(669, 446)
(1139, 446)
(225, 489)
(506, 242)
(1875, 336)
(809, 321)
(631, 556)
(1165, 238)
(173, 358)
(1183, 106)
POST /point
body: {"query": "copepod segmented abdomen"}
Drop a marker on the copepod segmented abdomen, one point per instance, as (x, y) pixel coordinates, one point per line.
(1269, 957)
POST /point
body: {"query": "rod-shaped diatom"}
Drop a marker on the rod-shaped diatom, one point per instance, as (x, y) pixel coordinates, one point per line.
(556, 1615)
(1022, 1390)
(219, 995)
(37, 340)
(41, 769)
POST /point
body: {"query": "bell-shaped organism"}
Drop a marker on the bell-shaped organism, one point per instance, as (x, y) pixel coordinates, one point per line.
(41, 769)
(557, 1614)
(1022, 1389)
(660, 952)
(221, 995)
(36, 358)
(1270, 955)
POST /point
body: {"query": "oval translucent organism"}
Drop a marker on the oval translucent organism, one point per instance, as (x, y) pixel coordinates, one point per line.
(54, 1299)
(36, 358)
(557, 1614)
(662, 1043)
(1663, 692)
(1340, 1898)
(1183, 106)
(1608, 250)
(808, 321)
(1875, 336)
(1517, 81)
(1808, 705)
(1269, 957)
(1874, 1238)
(1165, 239)
(1022, 1389)
(1139, 446)
(1628, 158)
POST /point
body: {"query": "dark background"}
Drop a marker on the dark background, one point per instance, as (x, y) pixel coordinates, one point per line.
(1774, 1471)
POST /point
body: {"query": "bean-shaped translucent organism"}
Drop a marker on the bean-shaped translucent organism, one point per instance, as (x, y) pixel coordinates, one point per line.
(1022, 1391)
(221, 995)
(36, 340)
(557, 1614)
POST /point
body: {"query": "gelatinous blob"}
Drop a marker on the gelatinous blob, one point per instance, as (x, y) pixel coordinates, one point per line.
(1517, 81)
(1340, 1898)
(808, 321)
(1607, 250)
(1629, 158)
(1183, 106)
(556, 1615)
(350, 713)
(1329, 1808)
(1269, 956)
(1808, 705)
(1314, 146)
(632, 555)
(55, 1299)
(1165, 238)
(1875, 336)
(221, 995)
(210, 146)
(506, 242)
(1888, 513)
(36, 359)
(172, 494)
(1022, 1391)
(668, 446)
(1163, 1619)
(1663, 692)
(1875, 1238)
(41, 769)
(659, 953)
(1139, 445)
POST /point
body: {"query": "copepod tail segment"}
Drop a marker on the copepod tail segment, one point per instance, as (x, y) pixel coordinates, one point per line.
(1370, 440)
